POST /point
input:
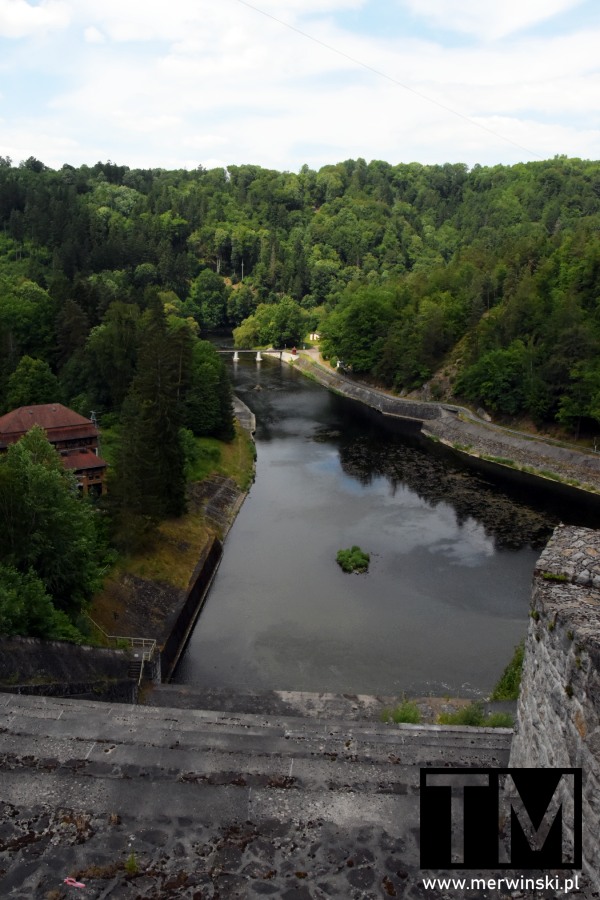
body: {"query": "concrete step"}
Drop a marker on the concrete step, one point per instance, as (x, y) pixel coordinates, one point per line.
(134, 669)
(303, 704)
(185, 719)
(217, 802)
(203, 731)
(405, 747)
(211, 768)
(320, 769)
(323, 705)
(207, 804)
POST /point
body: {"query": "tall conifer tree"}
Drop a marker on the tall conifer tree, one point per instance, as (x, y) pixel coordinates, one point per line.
(151, 476)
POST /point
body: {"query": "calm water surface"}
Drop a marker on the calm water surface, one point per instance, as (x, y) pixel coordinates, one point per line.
(447, 593)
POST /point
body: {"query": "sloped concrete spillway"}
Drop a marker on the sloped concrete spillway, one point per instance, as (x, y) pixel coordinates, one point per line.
(447, 594)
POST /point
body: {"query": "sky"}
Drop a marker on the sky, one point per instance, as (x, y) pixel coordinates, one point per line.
(284, 83)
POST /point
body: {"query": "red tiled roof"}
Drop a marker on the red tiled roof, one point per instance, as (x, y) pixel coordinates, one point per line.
(59, 422)
(83, 459)
(71, 434)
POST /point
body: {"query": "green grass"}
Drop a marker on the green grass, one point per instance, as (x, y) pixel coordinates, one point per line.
(499, 720)
(500, 460)
(131, 864)
(234, 459)
(509, 682)
(174, 547)
(474, 715)
(207, 459)
(238, 458)
(546, 473)
(406, 712)
(553, 576)
(464, 448)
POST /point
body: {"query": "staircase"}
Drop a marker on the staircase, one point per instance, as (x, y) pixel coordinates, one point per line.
(299, 798)
(134, 669)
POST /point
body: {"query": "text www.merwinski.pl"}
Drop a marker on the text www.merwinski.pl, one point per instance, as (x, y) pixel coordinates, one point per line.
(545, 883)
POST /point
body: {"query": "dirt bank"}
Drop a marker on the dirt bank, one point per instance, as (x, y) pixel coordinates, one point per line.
(157, 594)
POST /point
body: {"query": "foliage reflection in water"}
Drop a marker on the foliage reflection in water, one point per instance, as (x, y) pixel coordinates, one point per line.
(447, 594)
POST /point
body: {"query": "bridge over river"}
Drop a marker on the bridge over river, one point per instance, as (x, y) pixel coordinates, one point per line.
(282, 354)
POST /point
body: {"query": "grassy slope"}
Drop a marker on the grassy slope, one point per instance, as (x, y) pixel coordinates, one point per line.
(177, 544)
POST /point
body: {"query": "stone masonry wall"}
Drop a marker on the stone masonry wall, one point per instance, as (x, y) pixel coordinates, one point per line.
(558, 721)
(386, 403)
(473, 435)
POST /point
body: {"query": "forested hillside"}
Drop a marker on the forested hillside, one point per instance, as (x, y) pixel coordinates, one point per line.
(491, 276)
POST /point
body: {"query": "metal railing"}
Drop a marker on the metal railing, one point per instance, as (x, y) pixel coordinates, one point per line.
(146, 645)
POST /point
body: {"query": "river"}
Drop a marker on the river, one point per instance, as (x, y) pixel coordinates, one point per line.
(447, 593)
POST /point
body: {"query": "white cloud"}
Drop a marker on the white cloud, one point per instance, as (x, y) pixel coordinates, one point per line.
(204, 142)
(161, 84)
(18, 19)
(93, 36)
(489, 20)
(138, 20)
(40, 139)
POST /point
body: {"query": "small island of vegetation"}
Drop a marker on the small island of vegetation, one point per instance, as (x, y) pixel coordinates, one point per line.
(353, 560)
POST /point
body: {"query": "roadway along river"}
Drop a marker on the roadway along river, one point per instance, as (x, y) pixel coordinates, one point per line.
(447, 594)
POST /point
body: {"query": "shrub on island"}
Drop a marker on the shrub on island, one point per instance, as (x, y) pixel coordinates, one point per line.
(353, 560)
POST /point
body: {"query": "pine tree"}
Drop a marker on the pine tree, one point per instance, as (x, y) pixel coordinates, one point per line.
(208, 402)
(151, 463)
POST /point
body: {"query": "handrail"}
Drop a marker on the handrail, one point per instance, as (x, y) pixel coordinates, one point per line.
(148, 645)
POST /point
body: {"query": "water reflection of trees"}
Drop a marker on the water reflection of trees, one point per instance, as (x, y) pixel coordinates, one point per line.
(512, 525)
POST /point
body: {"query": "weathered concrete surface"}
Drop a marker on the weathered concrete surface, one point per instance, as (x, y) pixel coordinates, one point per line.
(559, 704)
(325, 706)
(355, 390)
(244, 415)
(216, 804)
(218, 499)
(26, 658)
(56, 668)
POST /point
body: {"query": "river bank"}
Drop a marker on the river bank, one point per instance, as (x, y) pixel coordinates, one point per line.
(465, 433)
(446, 596)
(159, 593)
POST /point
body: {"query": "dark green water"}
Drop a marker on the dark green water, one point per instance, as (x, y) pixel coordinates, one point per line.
(447, 594)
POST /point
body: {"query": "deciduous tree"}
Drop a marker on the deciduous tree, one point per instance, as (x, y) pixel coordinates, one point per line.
(31, 383)
(47, 529)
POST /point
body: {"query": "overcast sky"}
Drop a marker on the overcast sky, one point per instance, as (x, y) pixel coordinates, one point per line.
(210, 82)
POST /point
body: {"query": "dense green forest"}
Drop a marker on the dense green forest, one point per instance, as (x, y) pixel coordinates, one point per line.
(489, 277)
(480, 284)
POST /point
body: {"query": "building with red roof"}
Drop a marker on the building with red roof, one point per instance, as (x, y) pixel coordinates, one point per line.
(74, 437)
